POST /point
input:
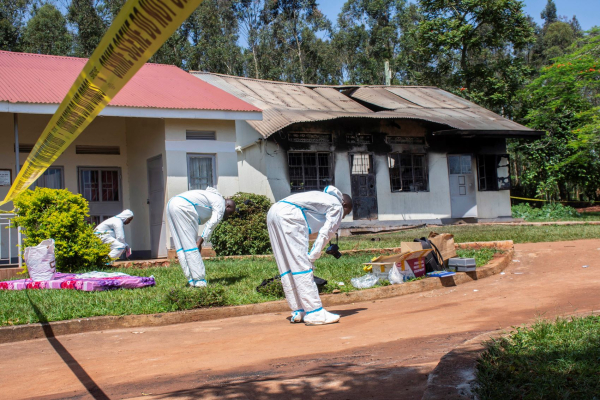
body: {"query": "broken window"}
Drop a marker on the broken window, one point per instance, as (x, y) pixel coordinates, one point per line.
(408, 172)
(309, 171)
(493, 172)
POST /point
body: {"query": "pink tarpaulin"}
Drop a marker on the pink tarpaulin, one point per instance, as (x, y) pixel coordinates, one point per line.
(88, 282)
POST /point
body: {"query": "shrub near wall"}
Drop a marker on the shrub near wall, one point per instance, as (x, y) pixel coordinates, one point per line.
(245, 232)
(60, 215)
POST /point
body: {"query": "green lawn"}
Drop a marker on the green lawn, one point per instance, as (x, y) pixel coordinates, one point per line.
(559, 360)
(475, 233)
(234, 281)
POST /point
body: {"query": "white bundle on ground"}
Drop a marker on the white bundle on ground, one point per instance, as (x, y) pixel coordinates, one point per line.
(40, 261)
(365, 282)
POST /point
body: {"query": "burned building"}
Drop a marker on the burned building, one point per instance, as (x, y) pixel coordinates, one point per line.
(407, 154)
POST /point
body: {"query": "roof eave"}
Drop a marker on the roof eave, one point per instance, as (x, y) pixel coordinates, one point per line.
(138, 112)
(507, 133)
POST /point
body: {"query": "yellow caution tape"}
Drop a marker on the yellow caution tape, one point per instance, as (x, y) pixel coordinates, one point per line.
(138, 31)
(523, 198)
(556, 201)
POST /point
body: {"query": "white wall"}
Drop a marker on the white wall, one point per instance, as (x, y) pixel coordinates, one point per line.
(433, 204)
(177, 149)
(493, 204)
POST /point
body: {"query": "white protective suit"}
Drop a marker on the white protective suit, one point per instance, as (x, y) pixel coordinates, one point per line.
(290, 222)
(112, 232)
(185, 213)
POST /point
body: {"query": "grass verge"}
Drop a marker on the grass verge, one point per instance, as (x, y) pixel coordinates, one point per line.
(547, 361)
(231, 282)
(476, 233)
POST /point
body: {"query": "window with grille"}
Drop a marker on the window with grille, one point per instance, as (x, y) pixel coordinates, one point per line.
(309, 171)
(493, 172)
(100, 185)
(201, 171)
(408, 172)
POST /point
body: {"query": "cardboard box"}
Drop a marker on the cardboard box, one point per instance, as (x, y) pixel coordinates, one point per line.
(410, 264)
(407, 247)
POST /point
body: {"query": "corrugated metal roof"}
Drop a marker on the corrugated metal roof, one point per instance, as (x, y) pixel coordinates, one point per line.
(284, 104)
(35, 78)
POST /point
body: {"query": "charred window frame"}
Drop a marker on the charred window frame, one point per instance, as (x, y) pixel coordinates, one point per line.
(493, 172)
(408, 172)
(309, 170)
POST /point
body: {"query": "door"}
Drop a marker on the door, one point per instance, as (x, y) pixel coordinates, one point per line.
(364, 190)
(156, 202)
(101, 187)
(463, 198)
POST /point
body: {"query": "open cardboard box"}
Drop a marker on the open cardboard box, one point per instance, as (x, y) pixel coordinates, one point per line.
(410, 264)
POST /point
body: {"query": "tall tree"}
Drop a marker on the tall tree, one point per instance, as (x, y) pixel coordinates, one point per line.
(470, 47)
(89, 26)
(369, 34)
(213, 33)
(248, 13)
(291, 41)
(549, 14)
(46, 32)
(12, 13)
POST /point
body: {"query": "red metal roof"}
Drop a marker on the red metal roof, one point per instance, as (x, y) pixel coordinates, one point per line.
(35, 78)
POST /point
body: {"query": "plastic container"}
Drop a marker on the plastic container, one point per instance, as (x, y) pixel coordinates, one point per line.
(461, 264)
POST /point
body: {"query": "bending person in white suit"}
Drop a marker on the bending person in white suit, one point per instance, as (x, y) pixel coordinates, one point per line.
(290, 222)
(185, 212)
(112, 232)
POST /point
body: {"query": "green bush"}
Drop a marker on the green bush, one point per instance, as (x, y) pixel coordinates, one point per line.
(245, 232)
(60, 215)
(548, 212)
(187, 298)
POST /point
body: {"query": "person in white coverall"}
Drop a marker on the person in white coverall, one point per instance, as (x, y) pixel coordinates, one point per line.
(185, 212)
(112, 232)
(290, 222)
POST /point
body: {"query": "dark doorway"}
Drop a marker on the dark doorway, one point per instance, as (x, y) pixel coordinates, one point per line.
(364, 188)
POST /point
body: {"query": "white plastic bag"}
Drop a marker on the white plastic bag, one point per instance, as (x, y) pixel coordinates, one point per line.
(365, 282)
(395, 277)
(40, 261)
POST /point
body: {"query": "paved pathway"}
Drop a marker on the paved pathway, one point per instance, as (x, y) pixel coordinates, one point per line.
(379, 350)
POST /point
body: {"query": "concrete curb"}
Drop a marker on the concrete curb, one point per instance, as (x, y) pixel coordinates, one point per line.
(163, 262)
(454, 374)
(10, 334)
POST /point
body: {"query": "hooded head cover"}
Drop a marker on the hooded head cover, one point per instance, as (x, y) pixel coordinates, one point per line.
(213, 190)
(125, 215)
(335, 192)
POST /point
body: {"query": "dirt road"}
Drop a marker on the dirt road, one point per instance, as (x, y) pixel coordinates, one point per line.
(379, 350)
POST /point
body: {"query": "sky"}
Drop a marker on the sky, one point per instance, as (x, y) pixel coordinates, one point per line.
(587, 11)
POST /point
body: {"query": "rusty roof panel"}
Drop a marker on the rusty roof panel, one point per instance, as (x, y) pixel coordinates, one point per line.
(284, 104)
(421, 98)
(342, 101)
(381, 98)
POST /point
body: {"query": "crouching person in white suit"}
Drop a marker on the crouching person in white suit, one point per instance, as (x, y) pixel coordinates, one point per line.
(112, 232)
(185, 212)
(290, 222)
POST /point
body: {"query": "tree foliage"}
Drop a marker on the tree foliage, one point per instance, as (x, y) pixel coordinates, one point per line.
(84, 15)
(469, 47)
(46, 32)
(564, 101)
(12, 13)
